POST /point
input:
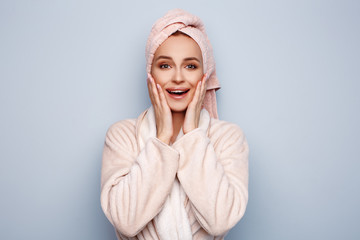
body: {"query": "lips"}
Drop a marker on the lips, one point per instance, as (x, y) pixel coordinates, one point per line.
(177, 93)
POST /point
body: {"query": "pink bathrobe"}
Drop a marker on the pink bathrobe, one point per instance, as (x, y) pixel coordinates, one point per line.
(196, 188)
(139, 172)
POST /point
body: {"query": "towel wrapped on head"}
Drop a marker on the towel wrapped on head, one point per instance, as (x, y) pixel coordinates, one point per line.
(182, 21)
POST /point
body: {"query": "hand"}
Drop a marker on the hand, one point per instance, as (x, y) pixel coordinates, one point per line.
(163, 116)
(192, 115)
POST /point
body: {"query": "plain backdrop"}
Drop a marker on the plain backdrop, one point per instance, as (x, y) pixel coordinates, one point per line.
(290, 79)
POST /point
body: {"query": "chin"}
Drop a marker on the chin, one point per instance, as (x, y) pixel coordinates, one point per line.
(178, 108)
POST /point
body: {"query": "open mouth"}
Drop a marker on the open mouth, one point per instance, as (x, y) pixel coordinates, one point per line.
(177, 92)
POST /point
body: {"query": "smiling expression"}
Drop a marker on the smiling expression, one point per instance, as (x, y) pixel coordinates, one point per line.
(177, 67)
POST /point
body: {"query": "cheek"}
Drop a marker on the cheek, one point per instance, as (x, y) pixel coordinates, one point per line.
(194, 78)
(160, 77)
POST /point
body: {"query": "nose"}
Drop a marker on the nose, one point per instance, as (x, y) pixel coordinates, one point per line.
(178, 76)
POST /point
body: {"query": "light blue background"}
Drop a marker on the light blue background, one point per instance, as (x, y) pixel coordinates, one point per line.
(290, 79)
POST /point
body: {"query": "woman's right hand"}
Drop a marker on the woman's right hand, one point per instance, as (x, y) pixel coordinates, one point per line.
(163, 116)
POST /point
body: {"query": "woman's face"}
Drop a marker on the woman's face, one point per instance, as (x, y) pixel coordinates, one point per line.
(177, 67)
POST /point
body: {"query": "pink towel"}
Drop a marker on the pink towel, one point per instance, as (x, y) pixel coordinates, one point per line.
(180, 20)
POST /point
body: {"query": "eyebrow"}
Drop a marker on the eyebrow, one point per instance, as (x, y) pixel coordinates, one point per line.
(170, 58)
(192, 58)
(163, 57)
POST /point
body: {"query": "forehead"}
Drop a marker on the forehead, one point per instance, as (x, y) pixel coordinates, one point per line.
(179, 45)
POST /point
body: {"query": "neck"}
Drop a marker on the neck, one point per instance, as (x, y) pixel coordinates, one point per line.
(178, 120)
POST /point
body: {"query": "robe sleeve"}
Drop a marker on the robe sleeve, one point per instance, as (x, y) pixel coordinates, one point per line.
(214, 175)
(134, 185)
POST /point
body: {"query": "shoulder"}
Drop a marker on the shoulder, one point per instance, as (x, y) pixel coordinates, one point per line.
(121, 133)
(220, 128)
(225, 134)
(127, 125)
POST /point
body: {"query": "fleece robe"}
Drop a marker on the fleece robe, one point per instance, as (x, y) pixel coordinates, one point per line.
(210, 163)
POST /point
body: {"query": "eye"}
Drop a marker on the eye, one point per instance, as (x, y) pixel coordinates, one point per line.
(191, 66)
(164, 65)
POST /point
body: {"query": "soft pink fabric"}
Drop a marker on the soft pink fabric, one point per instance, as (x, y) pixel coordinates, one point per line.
(210, 163)
(180, 20)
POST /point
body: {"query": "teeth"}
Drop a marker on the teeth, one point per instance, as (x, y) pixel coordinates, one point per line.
(178, 92)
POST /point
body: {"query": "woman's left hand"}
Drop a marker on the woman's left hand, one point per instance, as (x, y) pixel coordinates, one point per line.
(192, 116)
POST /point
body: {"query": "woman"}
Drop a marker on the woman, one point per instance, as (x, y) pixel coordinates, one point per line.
(176, 172)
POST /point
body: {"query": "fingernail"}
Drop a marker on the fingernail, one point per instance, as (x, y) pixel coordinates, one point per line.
(149, 77)
(158, 86)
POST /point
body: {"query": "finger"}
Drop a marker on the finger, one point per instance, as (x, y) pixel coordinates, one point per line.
(203, 88)
(203, 83)
(195, 98)
(151, 95)
(154, 91)
(204, 77)
(162, 97)
(198, 90)
(151, 91)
